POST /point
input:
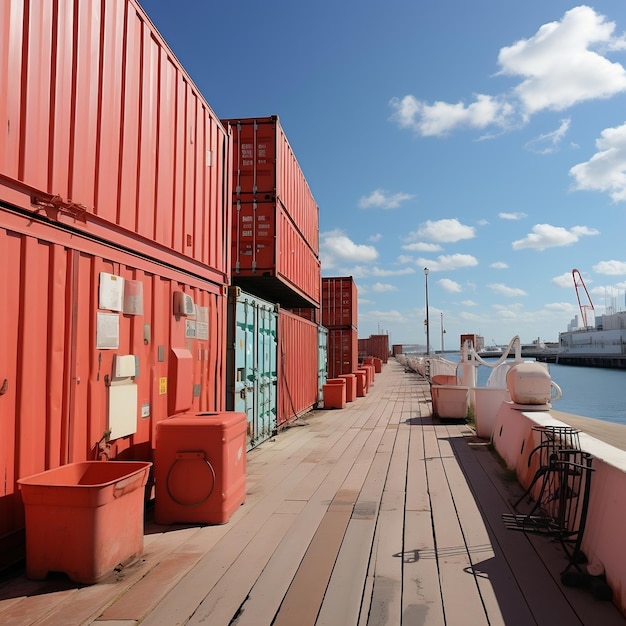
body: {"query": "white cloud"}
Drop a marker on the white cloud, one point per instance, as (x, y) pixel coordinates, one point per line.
(612, 268)
(448, 262)
(468, 303)
(383, 287)
(450, 286)
(381, 199)
(606, 170)
(564, 280)
(561, 64)
(446, 230)
(561, 307)
(512, 216)
(405, 271)
(375, 238)
(500, 265)
(509, 292)
(442, 117)
(336, 247)
(547, 236)
(421, 246)
(549, 142)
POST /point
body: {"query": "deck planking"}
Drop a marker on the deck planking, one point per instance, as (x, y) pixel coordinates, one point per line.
(375, 514)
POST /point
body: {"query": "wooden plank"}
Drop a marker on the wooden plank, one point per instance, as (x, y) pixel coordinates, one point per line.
(421, 594)
(458, 586)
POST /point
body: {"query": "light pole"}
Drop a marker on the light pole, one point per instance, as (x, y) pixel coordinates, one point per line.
(427, 318)
(442, 332)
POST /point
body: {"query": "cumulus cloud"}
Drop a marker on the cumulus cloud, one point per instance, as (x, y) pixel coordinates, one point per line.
(383, 287)
(499, 265)
(512, 216)
(509, 292)
(336, 247)
(611, 268)
(564, 280)
(448, 262)
(381, 199)
(366, 271)
(422, 246)
(440, 118)
(606, 170)
(562, 64)
(446, 231)
(450, 285)
(547, 236)
(375, 238)
(468, 303)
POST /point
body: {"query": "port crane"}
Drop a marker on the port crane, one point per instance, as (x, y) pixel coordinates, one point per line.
(579, 282)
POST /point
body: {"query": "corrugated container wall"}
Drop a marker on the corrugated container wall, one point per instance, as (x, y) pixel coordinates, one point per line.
(343, 357)
(271, 259)
(98, 345)
(275, 241)
(298, 363)
(339, 302)
(374, 345)
(102, 127)
(396, 349)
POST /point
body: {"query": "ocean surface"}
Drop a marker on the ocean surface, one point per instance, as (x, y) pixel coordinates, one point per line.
(588, 391)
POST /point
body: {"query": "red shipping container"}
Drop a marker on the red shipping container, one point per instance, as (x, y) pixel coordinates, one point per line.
(102, 127)
(265, 169)
(308, 313)
(298, 366)
(339, 302)
(271, 259)
(71, 307)
(379, 347)
(342, 352)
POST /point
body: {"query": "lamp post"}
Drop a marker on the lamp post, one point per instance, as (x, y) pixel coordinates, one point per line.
(427, 318)
(442, 332)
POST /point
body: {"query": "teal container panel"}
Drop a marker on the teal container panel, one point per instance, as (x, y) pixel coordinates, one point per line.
(322, 361)
(251, 363)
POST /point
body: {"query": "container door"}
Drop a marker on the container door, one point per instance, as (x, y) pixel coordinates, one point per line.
(266, 355)
(243, 372)
(322, 362)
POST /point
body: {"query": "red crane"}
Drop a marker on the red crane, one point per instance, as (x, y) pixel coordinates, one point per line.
(578, 282)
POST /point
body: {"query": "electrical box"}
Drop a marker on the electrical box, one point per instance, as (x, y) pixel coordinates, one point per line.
(184, 304)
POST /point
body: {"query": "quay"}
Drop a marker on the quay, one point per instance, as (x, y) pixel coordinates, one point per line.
(372, 515)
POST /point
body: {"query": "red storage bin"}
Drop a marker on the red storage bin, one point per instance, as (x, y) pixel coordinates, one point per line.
(200, 467)
(84, 518)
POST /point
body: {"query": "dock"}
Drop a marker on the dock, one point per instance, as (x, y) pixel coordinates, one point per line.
(372, 515)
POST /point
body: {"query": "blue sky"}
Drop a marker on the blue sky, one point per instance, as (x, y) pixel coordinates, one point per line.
(484, 140)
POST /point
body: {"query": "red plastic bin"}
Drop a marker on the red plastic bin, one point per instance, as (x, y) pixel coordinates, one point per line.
(200, 467)
(85, 518)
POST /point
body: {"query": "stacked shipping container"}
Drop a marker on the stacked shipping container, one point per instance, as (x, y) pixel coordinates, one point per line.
(376, 346)
(339, 314)
(115, 219)
(115, 248)
(275, 235)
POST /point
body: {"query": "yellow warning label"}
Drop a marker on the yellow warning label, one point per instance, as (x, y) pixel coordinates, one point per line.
(162, 386)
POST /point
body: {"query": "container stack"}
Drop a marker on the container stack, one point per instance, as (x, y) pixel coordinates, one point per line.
(275, 227)
(275, 256)
(374, 346)
(339, 315)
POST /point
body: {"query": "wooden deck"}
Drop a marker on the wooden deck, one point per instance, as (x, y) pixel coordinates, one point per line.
(370, 515)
